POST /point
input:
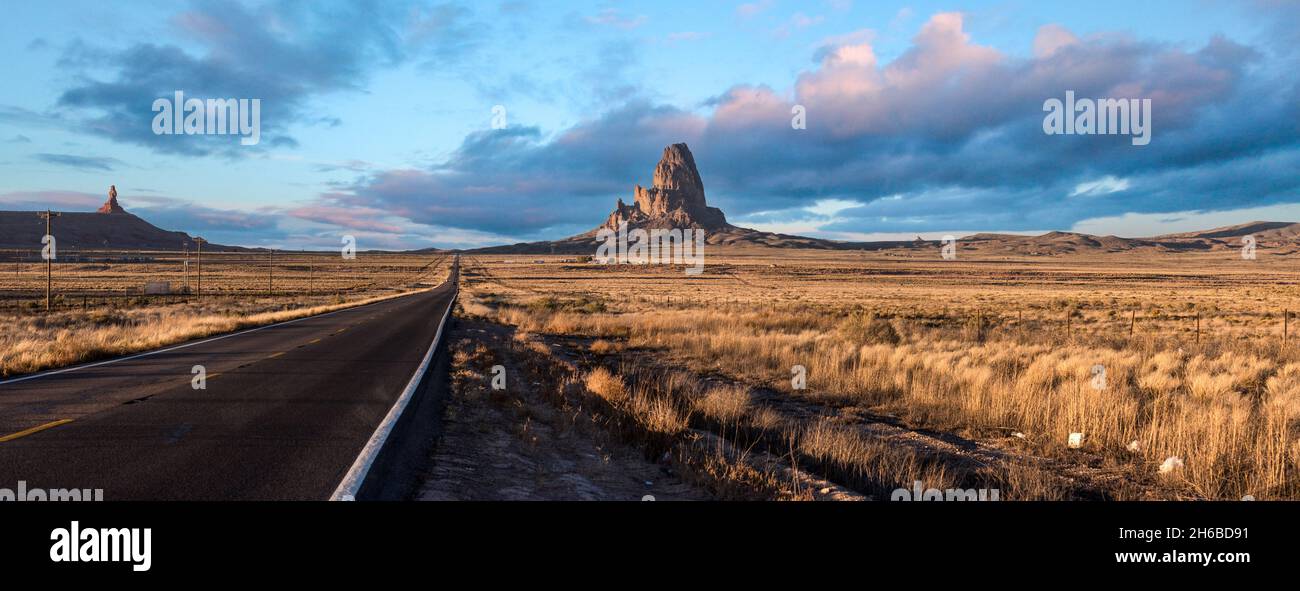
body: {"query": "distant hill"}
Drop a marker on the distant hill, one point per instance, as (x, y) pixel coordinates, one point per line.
(112, 227)
(1280, 236)
(1262, 231)
(1053, 243)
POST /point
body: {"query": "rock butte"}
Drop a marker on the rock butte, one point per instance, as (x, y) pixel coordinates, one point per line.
(111, 227)
(111, 205)
(675, 200)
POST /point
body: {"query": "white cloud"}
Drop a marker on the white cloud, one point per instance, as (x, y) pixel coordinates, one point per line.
(830, 207)
(1102, 186)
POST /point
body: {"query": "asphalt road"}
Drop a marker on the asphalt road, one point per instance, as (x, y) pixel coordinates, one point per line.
(286, 410)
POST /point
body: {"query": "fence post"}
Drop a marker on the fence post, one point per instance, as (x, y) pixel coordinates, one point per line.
(1198, 327)
(1132, 320)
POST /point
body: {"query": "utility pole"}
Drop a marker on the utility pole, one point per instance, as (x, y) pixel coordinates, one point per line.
(199, 264)
(49, 260)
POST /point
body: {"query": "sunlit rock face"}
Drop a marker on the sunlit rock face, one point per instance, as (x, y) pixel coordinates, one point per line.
(676, 200)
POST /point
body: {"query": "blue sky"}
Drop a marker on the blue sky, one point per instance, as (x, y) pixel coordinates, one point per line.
(923, 118)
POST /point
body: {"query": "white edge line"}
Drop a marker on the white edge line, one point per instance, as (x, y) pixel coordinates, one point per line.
(208, 340)
(356, 476)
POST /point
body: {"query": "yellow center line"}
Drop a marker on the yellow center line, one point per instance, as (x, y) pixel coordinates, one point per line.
(274, 355)
(313, 341)
(36, 429)
(212, 375)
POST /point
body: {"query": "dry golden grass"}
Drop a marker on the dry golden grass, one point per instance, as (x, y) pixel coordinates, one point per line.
(605, 384)
(669, 404)
(984, 348)
(725, 404)
(658, 415)
(846, 450)
(114, 323)
(45, 345)
(104, 275)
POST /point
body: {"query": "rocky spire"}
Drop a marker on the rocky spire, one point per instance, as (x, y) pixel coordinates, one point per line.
(677, 184)
(676, 200)
(111, 205)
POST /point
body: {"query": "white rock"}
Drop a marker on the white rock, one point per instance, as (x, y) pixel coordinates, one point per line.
(1171, 463)
(1134, 446)
(1076, 440)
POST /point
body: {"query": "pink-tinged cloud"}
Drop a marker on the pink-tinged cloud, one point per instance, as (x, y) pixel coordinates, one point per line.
(943, 65)
(347, 217)
(1051, 38)
(744, 107)
(71, 200)
(946, 86)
